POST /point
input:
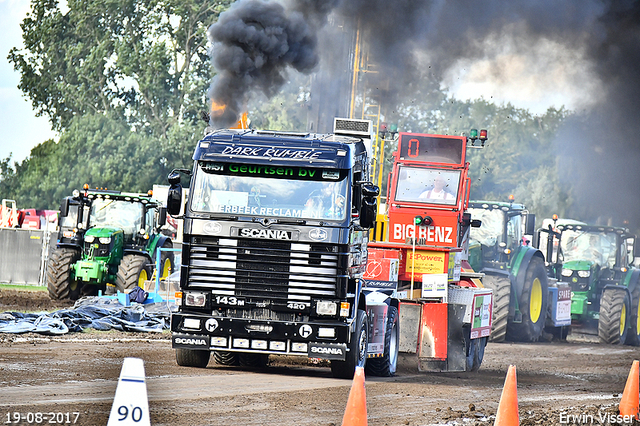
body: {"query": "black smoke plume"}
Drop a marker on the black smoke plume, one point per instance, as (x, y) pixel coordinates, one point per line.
(253, 44)
(598, 152)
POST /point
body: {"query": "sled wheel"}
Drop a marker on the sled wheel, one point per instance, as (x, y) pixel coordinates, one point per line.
(386, 365)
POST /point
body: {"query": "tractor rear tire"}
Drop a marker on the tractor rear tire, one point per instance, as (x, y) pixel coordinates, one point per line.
(501, 286)
(59, 282)
(357, 349)
(386, 365)
(634, 333)
(192, 358)
(225, 357)
(613, 325)
(533, 304)
(133, 271)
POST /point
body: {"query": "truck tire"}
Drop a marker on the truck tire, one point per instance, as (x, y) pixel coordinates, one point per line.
(634, 333)
(59, 282)
(133, 271)
(613, 325)
(386, 365)
(533, 304)
(357, 349)
(225, 357)
(501, 286)
(192, 358)
(253, 360)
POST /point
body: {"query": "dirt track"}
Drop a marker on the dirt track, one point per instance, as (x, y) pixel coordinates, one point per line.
(78, 373)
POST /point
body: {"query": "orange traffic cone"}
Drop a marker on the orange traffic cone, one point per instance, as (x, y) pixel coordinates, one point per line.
(507, 414)
(629, 404)
(356, 412)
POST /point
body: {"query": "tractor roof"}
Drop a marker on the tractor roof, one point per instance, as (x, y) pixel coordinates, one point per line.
(595, 229)
(496, 205)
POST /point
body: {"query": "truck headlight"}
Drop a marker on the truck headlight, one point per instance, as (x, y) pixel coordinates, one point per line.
(567, 272)
(105, 240)
(584, 274)
(326, 308)
(195, 299)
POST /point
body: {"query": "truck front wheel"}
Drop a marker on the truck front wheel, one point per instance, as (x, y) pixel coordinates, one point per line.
(386, 365)
(192, 358)
(357, 349)
(60, 283)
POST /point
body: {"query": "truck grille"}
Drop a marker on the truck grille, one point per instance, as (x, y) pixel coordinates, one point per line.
(259, 270)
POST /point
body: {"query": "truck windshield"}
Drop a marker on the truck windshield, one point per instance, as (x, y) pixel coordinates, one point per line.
(116, 214)
(420, 185)
(489, 233)
(270, 191)
(595, 247)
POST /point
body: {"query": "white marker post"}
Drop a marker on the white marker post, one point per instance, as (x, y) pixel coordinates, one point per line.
(130, 404)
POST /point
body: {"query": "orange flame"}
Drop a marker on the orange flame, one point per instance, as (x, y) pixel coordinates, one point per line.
(217, 109)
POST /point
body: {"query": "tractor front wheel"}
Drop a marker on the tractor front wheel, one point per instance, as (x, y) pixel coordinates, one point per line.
(533, 304)
(501, 286)
(614, 315)
(132, 272)
(60, 282)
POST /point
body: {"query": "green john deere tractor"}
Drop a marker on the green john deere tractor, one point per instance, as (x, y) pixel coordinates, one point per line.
(513, 269)
(107, 241)
(596, 261)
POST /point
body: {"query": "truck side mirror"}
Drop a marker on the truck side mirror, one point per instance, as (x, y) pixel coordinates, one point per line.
(369, 208)
(174, 196)
(632, 247)
(64, 207)
(530, 224)
(162, 216)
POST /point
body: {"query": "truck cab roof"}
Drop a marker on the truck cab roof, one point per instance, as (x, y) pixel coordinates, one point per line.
(279, 148)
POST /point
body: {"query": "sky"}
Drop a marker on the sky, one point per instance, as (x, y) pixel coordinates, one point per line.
(503, 76)
(20, 129)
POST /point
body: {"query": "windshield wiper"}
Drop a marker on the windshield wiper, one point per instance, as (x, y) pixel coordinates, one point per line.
(292, 221)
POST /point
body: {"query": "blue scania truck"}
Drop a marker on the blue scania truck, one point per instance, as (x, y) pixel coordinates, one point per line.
(275, 239)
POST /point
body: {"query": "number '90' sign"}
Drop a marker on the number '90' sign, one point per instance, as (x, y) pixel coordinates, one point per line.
(128, 414)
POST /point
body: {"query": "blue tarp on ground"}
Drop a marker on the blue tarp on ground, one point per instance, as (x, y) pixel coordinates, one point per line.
(89, 312)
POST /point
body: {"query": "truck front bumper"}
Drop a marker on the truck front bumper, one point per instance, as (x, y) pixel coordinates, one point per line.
(326, 340)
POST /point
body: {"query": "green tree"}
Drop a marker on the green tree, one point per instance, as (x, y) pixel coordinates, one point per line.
(144, 60)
